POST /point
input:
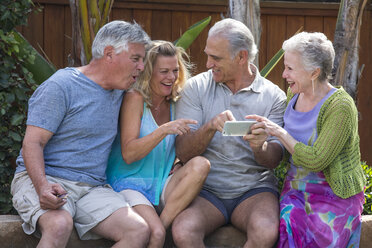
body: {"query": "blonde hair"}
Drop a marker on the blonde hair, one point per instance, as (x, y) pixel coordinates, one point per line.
(163, 48)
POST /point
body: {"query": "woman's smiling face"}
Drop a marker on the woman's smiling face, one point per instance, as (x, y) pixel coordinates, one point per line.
(298, 79)
(164, 75)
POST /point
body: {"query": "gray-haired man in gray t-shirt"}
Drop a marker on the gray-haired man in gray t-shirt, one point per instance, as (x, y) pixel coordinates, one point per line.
(240, 188)
(72, 121)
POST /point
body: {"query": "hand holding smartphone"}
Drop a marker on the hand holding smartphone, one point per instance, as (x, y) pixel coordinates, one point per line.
(237, 128)
(62, 196)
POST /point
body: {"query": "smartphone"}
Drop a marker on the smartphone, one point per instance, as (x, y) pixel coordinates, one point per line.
(237, 128)
(63, 196)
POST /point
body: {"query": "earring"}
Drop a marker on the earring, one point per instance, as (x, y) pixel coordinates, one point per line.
(312, 83)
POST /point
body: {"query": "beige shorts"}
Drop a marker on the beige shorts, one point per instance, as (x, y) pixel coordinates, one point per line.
(88, 205)
(134, 197)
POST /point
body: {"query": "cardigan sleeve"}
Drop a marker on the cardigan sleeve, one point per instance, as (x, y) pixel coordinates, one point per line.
(335, 125)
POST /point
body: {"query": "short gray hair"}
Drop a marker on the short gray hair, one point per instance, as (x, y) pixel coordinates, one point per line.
(118, 34)
(316, 51)
(238, 35)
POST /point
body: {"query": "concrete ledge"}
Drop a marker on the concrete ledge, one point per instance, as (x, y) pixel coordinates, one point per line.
(12, 236)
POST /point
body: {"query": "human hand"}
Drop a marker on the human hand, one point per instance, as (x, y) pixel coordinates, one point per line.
(219, 120)
(52, 196)
(261, 130)
(271, 128)
(180, 126)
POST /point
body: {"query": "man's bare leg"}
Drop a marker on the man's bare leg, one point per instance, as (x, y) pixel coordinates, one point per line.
(191, 225)
(258, 217)
(125, 227)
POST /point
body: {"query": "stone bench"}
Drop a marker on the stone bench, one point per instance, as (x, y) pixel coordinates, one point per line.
(12, 236)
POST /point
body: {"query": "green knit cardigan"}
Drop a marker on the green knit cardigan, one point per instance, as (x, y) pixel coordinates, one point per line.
(336, 150)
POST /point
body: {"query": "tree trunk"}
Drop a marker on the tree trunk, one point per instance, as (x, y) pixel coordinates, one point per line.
(248, 12)
(74, 57)
(88, 16)
(346, 43)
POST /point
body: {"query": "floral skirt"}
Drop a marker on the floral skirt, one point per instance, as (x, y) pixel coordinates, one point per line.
(311, 215)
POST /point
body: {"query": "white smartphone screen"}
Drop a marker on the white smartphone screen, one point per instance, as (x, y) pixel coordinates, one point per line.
(237, 128)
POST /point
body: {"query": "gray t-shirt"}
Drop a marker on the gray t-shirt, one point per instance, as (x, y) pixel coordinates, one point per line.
(83, 118)
(234, 170)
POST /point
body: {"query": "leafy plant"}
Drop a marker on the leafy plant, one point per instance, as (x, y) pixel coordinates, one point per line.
(16, 84)
(88, 16)
(272, 63)
(274, 60)
(14, 13)
(280, 172)
(192, 33)
(367, 207)
(40, 68)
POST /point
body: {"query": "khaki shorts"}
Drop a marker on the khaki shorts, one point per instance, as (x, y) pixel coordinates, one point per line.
(134, 197)
(88, 205)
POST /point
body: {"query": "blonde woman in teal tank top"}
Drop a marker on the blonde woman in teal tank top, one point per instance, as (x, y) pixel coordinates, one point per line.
(143, 154)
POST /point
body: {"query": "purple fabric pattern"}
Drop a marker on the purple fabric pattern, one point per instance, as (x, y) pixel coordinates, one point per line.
(311, 215)
(316, 217)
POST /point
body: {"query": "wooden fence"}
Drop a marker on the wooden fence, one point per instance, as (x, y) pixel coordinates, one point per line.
(50, 31)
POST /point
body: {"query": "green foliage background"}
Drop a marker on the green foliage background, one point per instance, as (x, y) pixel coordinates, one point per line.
(16, 84)
(368, 191)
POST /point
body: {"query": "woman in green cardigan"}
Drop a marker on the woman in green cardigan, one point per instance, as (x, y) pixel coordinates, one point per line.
(322, 198)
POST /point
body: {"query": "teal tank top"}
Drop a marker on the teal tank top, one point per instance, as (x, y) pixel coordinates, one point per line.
(149, 174)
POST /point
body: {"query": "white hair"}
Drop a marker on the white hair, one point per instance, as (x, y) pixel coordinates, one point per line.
(316, 51)
(118, 34)
(238, 35)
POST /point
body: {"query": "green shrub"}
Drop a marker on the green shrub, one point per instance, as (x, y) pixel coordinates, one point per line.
(16, 84)
(367, 208)
(280, 173)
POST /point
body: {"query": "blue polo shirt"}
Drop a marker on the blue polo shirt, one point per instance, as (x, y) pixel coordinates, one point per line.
(83, 118)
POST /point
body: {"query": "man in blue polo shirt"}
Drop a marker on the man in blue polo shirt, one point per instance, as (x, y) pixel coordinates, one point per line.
(72, 121)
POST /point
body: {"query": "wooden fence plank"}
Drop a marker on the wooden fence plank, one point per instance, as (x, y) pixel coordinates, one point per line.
(262, 52)
(313, 24)
(67, 35)
(364, 99)
(181, 21)
(170, 7)
(144, 18)
(53, 30)
(34, 32)
(293, 24)
(161, 25)
(197, 47)
(276, 34)
(122, 14)
(329, 26)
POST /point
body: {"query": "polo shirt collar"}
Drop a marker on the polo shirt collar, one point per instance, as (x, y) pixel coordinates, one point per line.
(257, 84)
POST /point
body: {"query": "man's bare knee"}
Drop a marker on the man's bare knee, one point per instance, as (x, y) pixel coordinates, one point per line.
(57, 223)
(158, 234)
(263, 233)
(141, 232)
(138, 232)
(184, 231)
(55, 229)
(199, 166)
